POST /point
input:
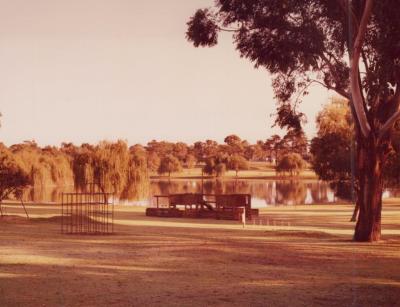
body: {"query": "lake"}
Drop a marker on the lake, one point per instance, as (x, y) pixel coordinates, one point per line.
(264, 192)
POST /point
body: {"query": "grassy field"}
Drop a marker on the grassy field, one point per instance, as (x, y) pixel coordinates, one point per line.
(290, 256)
(257, 170)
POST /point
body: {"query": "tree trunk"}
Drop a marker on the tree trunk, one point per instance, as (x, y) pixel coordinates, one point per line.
(355, 212)
(369, 169)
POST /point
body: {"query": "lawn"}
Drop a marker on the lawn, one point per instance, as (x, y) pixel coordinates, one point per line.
(290, 256)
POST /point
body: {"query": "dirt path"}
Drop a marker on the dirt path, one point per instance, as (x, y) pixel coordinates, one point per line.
(303, 257)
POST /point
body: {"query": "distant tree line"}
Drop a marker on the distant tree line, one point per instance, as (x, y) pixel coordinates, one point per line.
(234, 154)
(115, 167)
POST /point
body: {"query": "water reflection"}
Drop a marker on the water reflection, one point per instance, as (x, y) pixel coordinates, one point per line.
(264, 192)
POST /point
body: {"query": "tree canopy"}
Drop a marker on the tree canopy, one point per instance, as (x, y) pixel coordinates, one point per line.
(350, 47)
(301, 42)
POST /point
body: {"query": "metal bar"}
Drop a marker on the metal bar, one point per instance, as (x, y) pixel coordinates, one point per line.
(112, 217)
(88, 212)
(23, 206)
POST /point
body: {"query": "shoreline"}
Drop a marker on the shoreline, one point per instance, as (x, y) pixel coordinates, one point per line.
(267, 177)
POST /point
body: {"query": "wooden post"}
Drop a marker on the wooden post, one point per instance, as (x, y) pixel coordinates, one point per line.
(243, 217)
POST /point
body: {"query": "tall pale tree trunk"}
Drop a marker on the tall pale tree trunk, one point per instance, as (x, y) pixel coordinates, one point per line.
(369, 167)
(370, 151)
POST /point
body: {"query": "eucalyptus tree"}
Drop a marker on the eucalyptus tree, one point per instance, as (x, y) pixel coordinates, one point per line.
(348, 46)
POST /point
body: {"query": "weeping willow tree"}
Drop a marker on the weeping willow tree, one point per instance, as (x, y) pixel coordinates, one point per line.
(82, 165)
(138, 183)
(45, 167)
(112, 167)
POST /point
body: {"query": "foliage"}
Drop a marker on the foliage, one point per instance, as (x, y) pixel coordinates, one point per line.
(331, 156)
(190, 161)
(237, 162)
(119, 170)
(110, 167)
(138, 183)
(273, 145)
(294, 141)
(180, 151)
(13, 179)
(161, 148)
(209, 167)
(256, 152)
(233, 146)
(220, 169)
(292, 163)
(331, 148)
(45, 166)
(335, 118)
(216, 165)
(153, 161)
(169, 164)
(83, 165)
(293, 39)
(114, 168)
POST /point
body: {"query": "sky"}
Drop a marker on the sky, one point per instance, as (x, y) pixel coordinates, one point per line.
(89, 70)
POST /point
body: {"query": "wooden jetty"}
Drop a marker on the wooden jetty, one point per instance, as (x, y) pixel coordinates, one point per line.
(217, 206)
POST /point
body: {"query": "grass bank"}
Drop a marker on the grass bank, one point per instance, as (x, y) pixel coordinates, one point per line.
(257, 170)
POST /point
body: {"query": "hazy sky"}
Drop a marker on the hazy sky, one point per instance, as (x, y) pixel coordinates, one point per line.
(87, 70)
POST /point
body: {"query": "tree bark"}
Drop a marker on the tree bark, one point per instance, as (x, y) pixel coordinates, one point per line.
(369, 167)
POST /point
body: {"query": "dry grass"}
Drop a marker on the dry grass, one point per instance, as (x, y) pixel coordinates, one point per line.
(293, 256)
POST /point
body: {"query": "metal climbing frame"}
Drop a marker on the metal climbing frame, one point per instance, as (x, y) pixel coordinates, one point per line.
(87, 213)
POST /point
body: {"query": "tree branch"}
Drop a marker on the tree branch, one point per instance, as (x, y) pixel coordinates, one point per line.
(341, 92)
(332, 69)
(228, 30)
(389, 123)
(354, 71)
(395, 116)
